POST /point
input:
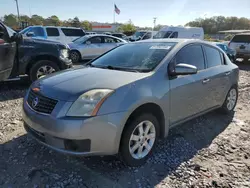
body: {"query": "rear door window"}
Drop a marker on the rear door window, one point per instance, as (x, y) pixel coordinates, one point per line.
(192, 55)
(241, 38)
(95, 40)
(110, 40)
(73, 32)
(213, 56)
(52, 32)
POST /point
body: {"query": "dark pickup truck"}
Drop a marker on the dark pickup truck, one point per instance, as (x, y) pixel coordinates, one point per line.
(32, 57)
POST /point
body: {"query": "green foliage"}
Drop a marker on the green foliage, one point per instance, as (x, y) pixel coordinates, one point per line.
(219, 23)
(86, 25)
(127, 28)
(10, 20)
(207, 37)
(228, 37)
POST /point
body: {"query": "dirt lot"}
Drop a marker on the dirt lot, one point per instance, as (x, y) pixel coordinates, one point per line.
(210, 151)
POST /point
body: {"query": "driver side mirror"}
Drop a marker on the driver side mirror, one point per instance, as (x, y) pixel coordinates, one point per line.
(183, 69)
(30, 34)
(88, 42)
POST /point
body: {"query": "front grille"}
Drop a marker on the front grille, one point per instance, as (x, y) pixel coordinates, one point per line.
(42, 104)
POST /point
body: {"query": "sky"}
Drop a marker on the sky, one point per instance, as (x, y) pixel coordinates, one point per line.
(141, 12)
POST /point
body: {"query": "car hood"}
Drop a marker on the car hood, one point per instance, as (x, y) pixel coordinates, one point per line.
(68, 85)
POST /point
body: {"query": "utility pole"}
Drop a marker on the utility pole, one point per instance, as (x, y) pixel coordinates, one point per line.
(154, 22)
(18, 15)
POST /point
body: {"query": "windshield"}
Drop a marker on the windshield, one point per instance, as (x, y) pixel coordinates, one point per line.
(81, 40)
(139, 33)
(24, 30)
(135, 56)
(162, 34)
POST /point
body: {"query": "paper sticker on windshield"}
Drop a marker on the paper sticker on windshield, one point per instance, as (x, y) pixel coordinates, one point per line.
(160, 47)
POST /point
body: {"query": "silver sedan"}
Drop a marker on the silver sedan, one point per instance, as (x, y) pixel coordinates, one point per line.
(92, 46)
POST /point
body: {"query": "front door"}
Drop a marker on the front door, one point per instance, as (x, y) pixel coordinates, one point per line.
(7, 53)
(188, 92)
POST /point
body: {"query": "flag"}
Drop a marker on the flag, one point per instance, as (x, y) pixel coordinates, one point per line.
(117, 10)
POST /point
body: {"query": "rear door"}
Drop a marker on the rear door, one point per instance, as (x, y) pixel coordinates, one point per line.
(7, 53)
(109, 43)
(53, 34)
(92, 47)
(72, 33)
(218, 81)
(241, 43)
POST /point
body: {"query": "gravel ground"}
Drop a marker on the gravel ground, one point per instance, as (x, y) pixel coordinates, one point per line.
(210, 151)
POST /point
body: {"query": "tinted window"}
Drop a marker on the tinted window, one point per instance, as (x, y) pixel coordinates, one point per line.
(73, 32)
(213, 56)
(137, 56)
(110, 40)
(95, 40)
(222, 46)
(147, 36)
(38, 31)
(192, 55)
(52, 32)
(174, 35)
(241, 38)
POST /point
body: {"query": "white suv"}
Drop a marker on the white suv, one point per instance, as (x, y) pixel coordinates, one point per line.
(59, 34)
(241, 44)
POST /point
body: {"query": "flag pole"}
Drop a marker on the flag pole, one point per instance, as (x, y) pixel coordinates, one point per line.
(114, 12)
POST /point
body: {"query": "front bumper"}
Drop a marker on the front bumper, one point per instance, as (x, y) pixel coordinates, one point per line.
(98, 135)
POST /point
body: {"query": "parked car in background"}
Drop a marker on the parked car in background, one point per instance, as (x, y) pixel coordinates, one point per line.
(90, 33)
(32, 57)
(106, 33)
(180, 32)
(120, 35)
(8, 49)
(241, 43)
(149, 35)
(137, 36)
(91, 46)
(58, 34)
(125, 100)
(230, 52)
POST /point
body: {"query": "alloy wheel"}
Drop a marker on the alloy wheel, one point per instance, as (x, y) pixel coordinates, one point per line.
(44, 70)
(231, 99)
(142, 139)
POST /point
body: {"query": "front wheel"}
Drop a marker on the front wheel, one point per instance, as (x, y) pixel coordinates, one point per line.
(139, 139)
(75, 56)
(231, 100)
(42, 68)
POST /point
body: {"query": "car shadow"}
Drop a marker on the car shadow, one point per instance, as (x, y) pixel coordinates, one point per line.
(11, 90)
(244, 66)
(184, 141)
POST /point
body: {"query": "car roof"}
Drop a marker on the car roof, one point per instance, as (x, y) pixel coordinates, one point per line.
(55, 26)
(169, 40)
(103, 35)
(243, 34)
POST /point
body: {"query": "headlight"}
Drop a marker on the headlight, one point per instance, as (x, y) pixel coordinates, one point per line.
(89, 103)
(64, 53)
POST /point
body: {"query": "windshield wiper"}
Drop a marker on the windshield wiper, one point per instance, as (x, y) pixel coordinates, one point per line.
(120, 68)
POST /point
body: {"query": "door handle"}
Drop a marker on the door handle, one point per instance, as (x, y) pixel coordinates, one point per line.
(227, 73)
(206, 80)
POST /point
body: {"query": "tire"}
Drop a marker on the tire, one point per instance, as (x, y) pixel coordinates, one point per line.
(127, 144)
(41, 66)
(228, 105)
(75, 56)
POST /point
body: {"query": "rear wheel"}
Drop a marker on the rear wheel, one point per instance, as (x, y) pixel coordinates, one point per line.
(231, 100)
(42, 68)
(75, 56)
(139, 139)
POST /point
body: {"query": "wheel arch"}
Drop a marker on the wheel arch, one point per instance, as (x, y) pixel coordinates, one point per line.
(42, 57)
(152, 108)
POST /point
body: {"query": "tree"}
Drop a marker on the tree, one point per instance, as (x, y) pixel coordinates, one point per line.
(53, 21)
(128, 28)
(36, 20)
(158, 27)
(86, 25)
(76, 22)
(11, 20)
